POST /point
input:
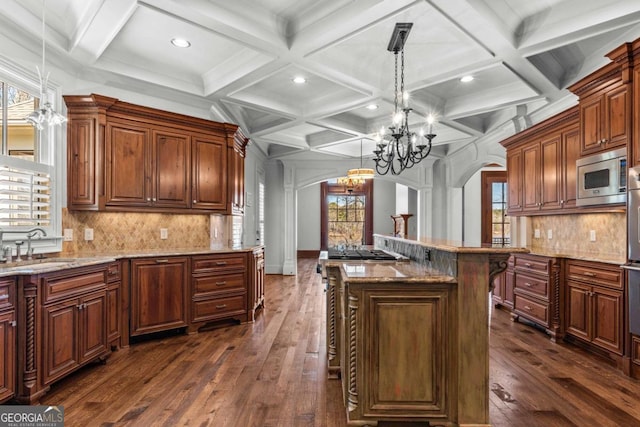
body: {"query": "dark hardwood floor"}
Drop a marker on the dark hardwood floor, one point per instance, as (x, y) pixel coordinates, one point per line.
(273, 373)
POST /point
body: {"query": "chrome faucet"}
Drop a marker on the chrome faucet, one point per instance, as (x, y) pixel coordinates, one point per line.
(31, 234)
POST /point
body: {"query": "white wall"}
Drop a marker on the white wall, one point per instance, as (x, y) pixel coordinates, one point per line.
(384, 203)
(309, 218)
(274, 212)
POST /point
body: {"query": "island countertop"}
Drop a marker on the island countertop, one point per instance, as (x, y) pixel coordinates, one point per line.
(456, 246)
(385, 272)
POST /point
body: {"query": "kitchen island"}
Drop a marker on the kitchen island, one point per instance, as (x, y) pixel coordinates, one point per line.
(409, 340)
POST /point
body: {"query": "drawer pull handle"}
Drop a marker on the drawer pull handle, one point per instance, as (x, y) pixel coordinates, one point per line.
(527, 264)
(162, 261)
(526, 307)
(587, 273)
(4, 297)
(113, 272)
(221, 306)
(527, 284)
(221, 262)
(224, 282)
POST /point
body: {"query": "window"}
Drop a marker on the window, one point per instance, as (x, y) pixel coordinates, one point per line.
(27, 167)
(496, 229)
(347, 215)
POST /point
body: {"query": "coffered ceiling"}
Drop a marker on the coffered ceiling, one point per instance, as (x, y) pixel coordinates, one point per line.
(244, 55)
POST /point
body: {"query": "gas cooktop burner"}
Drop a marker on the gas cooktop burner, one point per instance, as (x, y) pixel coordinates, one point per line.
(359, 254)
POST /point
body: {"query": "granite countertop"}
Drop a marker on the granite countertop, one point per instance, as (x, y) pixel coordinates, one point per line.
(385, 272)
(578, 255)
(47, 265)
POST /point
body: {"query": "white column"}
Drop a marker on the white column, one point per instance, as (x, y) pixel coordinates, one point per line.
(425, 207)
(289, 266)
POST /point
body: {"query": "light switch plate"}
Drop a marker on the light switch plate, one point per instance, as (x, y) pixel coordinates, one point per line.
(592, 235)
(88, 234)
(549, 234)
(536, 233)
(164, 233)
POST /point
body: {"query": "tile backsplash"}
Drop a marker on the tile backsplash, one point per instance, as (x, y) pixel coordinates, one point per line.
(118, 231)
(572, 233)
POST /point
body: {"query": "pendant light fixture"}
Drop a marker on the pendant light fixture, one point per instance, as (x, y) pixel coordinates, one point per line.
(45, 115)
(402, 148)
(360, 173)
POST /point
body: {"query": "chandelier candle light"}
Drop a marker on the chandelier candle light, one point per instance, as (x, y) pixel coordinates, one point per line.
(402, 148)
(45, 115)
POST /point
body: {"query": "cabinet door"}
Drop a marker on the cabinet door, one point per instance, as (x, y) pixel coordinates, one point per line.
(127, 165)
(607, 319)
(618, 116)
(498, 288)
(531, 181)
(60, 342)
(209, 173)
(591, 124)
(170, 177)
(159, 294)
(81, 171)
(113, 313)
(7, 355)
(514, 181)
(92, 317)
(570, 154)
(578, 308)
(551, 172)
(509, 285)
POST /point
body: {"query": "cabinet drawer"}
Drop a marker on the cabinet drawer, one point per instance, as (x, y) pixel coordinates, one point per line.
(213, 284)
(7, 294)
(218, 308)
(66, 284)
(540, 265)
(114, 273)
(532, 285)
(532, 310)
(219, 262)
(595, 274)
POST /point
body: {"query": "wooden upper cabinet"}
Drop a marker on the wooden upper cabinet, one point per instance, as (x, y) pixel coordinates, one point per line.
(125, 157)
(605, 119)
(170, 175)
(514, 180)
(605, 104)
(531, 181)
(209, 172)
(541, 166)
(551, 171)
(128, 165)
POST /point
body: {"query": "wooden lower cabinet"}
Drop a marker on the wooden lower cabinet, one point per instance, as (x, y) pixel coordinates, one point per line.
(159, 294)
(218, 288)
(62, 326)
(385, 329)
(595, 305)
(503, 286)
(114, 305)
(7, 339)
(74, 332)
(537, 296)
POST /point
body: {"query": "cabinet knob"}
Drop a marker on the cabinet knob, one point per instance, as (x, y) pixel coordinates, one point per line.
(148, 199)
(13, 323)
(527, 284)
(526, 307)
(154, 199)
(195, 201)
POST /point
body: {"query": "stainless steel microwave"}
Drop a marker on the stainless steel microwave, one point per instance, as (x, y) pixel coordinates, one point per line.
(602, 178)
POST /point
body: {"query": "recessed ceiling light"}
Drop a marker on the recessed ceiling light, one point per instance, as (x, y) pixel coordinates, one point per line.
(466, 79)
(178, 42)
(372, 107)
(299, 80)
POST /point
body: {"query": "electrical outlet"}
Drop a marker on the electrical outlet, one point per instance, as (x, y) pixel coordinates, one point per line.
(592, 235)
(549, 234)
(67, 235)
(536, 233)
(164, 233)
(88, 234)
(215, 233)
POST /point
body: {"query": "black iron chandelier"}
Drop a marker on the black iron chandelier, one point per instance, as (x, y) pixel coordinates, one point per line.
(401, 148)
